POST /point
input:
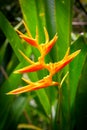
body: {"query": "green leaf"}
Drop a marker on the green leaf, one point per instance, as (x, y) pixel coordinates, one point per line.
(12, 82)
(81, 100)
(2, 51)
(29, 14)
(31, 21)
(69, 88)
(11, 35)
(50, 16)
(76, 67)
(44, 100)
(63, 22)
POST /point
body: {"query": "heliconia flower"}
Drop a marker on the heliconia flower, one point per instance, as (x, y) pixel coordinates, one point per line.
(43, 83)
(40, 64)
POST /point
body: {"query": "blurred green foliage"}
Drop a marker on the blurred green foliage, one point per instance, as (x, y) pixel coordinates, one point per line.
(39, 109)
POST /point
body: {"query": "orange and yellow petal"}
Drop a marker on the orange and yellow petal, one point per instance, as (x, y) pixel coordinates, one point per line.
(46, 35)
(31, 41)
(46, 47)
(30, 68)
(51, 43)
(35, 66)
(65, 61)
(31, 87)
(27, 29)
(26, 58)
(20, 90)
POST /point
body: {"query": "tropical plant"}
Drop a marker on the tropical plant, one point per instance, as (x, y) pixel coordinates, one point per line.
(52, 107)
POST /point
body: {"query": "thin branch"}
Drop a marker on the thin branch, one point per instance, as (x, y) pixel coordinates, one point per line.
(3, 72)
(81, 6)
(27, 117)
(79, 23)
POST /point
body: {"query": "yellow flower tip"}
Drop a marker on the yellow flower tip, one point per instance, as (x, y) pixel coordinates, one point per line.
(20, 71)
(46, 35)
(54, 39)
(67, 53)
(19, 90)
(16, 72)
(55, 83)
(9, 93)
(14, 92)
(27, 29)
(27, 81)
(76, 53)
(72, 56)
(20, 33)
(25, 57)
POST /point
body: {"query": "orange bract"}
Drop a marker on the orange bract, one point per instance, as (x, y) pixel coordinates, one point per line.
(40, 64)
(31, 68)
(45, 82)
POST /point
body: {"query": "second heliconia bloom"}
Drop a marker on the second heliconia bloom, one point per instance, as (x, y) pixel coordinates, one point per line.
(40, 64)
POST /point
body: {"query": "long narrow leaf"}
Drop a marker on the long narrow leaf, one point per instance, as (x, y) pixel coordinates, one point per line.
(12, 36)
(31, 20)
(76, 67)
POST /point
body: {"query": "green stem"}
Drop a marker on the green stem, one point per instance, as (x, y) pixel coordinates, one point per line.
(59, 115)
(59, 108)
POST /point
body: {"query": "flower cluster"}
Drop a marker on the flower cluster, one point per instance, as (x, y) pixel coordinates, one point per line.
(53, 68)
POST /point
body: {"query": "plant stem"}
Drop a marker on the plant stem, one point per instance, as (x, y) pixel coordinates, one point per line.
(59, 108)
